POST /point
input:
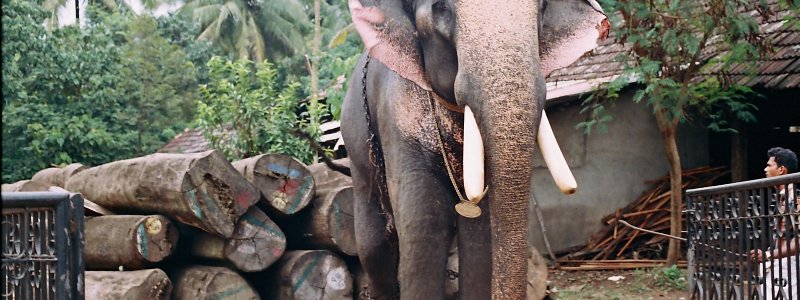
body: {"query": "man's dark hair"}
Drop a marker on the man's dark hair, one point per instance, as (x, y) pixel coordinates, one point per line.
(784, 157)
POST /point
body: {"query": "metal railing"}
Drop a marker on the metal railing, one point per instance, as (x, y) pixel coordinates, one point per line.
(42, 246)
(728, 224)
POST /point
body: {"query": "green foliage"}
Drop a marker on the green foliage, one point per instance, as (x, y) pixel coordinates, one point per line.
(159, 85)
(181, 32)
(667, 42)
(672, 277)
(111, 90)
(245, 111)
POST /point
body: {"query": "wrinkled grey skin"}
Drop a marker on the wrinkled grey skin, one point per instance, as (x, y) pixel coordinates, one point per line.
(484, 54)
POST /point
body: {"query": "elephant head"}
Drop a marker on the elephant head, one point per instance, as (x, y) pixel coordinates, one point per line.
(490, 57)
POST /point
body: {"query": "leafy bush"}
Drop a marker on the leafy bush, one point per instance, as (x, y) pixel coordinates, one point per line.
(245, 111)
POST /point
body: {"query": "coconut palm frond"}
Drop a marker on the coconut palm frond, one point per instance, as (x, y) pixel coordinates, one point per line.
(206, 14)
(251, 44)
(284, 31)
(341, 36)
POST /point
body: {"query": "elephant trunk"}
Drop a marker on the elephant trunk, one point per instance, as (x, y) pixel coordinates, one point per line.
(500, 78)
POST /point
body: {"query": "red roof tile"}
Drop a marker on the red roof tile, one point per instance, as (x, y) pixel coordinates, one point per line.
(778, 70)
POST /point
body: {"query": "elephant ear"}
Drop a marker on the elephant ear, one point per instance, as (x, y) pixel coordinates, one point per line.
(390, 37)
(570, 28)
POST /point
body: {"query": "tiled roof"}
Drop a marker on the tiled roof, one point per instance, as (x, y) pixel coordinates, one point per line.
(777, 70)
(189, 141)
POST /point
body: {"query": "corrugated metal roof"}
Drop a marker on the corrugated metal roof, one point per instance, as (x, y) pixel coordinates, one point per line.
(777, 70)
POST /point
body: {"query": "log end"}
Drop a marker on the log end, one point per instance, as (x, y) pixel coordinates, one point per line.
(257, 242)
(286, 184)
(316, 274)
(341, 222)
(206, 282)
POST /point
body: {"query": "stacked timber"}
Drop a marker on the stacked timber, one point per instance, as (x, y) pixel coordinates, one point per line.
(58, 176)
(196, 226)
(25, 186)
(286, 185)
(130, 285)
(199, 189)
(328, 223)
(618, 246)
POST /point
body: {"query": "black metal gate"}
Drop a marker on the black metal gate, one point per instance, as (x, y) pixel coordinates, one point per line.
(728, 224)
(42, 246)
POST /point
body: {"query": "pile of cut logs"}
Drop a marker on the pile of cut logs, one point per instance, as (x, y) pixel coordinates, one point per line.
(195, 226)
(618, 246)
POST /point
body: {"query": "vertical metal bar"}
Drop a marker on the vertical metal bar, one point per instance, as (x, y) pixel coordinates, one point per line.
(25, 237)
(61, 244)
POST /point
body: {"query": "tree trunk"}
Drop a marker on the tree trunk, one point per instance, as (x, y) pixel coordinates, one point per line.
(285, 183)
(205, 282)
(327, 225)
(738, 152)
(256, 243)
(130, 285)
(133, 242)
(25, 186)
(58, 176)
(316, 274)
(199, 189)
(668, 129)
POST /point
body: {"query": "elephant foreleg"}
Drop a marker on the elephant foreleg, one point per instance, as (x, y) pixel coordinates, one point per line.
(377, 248)
(424, 215)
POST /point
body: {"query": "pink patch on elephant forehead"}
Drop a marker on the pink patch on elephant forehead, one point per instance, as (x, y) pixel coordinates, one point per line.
(568, 49)
(364, 20)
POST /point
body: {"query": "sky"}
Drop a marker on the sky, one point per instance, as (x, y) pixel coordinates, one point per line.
(66, 14)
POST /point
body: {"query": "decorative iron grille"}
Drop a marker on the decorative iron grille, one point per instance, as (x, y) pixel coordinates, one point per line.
(727, 226)
(42, 246)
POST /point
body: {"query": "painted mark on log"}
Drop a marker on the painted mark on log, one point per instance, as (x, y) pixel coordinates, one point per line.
(141, 238)
(284, 170)
(258, 223)
(299, 193)
(306, 272)
(191, 195)
(227, 293)
(336, 278)
(243, 198)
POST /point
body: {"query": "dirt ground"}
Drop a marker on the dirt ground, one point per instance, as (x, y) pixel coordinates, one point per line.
(656, 283)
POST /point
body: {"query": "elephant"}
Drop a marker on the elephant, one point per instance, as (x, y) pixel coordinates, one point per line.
(427, 64)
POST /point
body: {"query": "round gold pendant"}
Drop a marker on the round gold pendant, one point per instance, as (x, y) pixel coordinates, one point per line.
(468, 210)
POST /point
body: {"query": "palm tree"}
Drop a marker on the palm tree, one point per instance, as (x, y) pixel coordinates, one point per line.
(250, 28)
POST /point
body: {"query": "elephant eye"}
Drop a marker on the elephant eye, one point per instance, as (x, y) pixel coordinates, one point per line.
(440, 5)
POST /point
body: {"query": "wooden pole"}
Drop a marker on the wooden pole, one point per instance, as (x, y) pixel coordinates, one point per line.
(256, 243)
(129, 285)
(206, 282)
(285, 183)
(133, 242)
(58, 176)
(199, 189)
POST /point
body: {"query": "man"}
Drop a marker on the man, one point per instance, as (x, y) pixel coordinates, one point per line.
(784, 254)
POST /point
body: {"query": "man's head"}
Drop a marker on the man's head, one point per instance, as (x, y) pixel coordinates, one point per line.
(781, 161)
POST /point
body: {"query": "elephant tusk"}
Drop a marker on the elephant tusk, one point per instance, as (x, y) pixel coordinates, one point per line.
(554, 158)
(474, 187)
